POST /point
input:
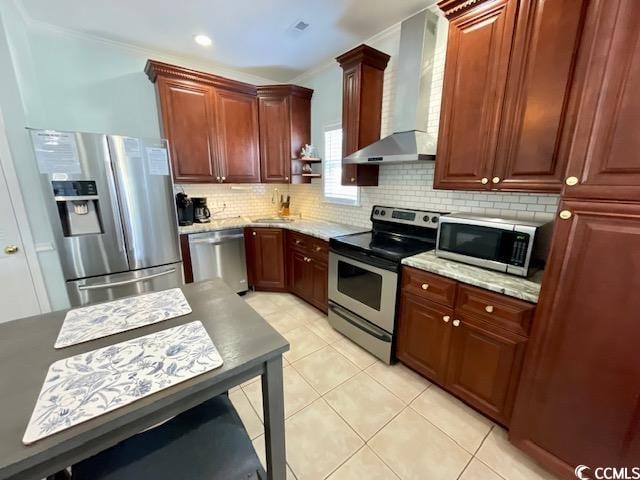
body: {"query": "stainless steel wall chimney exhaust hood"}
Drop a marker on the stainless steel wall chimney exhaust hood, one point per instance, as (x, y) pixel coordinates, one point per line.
(414, 74)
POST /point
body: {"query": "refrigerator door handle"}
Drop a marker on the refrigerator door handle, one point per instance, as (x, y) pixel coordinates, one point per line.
(125, 282)
(115, 206)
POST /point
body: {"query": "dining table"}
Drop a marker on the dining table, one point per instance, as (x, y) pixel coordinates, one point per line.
(249, 347)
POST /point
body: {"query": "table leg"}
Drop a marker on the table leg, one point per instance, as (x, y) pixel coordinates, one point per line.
(273, 406)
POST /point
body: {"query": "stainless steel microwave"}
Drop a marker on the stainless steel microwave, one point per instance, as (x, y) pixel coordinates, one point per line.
(503, 244)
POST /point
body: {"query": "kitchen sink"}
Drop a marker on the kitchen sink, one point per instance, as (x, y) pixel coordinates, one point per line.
(274, 220)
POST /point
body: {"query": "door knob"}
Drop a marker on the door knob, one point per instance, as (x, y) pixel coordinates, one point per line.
(571, 181)
(10, 249)
(456, 323)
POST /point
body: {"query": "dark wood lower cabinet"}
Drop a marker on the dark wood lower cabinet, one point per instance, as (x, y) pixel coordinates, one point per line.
(265, 258)
(484, 366)
(308, 269)
(423, 336)
(579, 400)
(475, 350)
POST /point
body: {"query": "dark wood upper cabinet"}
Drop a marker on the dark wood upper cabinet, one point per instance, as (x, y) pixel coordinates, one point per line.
(506, 99)
(477, 60)
(265, 258)
(285, 127)
(604, 159)
(362, 85)
(237, 128)
(187, 116)
(579, 396)
(530, 155)
(211, 123)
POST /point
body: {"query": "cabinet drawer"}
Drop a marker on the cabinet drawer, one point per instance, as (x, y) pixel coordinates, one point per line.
(298, 240)
(308, 245)
(427, 285)
(499, 310)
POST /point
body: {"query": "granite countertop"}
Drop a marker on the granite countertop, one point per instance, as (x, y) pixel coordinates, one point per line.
(316, 228)
(526, 289)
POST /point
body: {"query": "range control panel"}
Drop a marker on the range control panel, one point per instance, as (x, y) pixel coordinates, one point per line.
(419, 218)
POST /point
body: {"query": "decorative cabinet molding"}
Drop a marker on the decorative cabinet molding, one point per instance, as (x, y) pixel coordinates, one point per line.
(363, 76)
(285, 127)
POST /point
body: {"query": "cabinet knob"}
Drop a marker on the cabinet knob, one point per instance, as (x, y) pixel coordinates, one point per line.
(308, 260)
(352, 179)
(425, 286)
(298, 242)
(484, 180)
(489, 308)
(253, 233)
(218, 178)
(286, 178)
(224, 178)
(10, 249)
(446, 318)
(495, 179)
(456, 323)
(565, 214)
(318, 249)
(571, 181)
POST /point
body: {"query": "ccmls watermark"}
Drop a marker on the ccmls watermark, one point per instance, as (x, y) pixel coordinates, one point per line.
(607, 473)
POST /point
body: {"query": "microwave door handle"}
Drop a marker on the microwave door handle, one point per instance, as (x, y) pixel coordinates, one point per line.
(125, 282)
(356, 322)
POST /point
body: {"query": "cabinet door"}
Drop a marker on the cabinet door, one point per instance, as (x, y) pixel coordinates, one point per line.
(265, 253)
(605, 143)
(478, 50)
(237, 133)
(484, 366)
(187, 117)
(529, 156)
(319, 283)
(580, 391)
(275, 139)
(424, 333)
(300, 280)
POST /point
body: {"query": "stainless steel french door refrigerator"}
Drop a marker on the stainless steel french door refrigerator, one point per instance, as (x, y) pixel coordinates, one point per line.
(111, 206)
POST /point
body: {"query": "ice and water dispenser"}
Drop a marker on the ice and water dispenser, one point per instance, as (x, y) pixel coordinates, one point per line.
(78, 207)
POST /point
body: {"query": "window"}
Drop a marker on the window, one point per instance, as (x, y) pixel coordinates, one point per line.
(334, 191)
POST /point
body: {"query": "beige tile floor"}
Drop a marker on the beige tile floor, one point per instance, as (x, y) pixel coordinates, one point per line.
(351, 417)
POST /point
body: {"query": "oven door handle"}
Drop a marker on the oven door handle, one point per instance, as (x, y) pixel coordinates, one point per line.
(356, 322)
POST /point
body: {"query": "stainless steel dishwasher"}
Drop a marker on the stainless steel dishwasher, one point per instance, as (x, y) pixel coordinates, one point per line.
(220, 254)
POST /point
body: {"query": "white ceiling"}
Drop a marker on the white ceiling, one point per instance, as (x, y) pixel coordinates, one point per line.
(254, 36)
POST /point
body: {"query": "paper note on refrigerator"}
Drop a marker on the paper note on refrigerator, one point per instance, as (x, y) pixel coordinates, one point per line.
(158, 161)
(56, 152)
(132, 147)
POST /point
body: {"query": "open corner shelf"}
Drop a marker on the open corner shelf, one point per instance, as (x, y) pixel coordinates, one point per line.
(309, 160)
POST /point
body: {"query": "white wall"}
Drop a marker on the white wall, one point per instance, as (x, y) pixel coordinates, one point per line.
(54, 78)
(407, 185)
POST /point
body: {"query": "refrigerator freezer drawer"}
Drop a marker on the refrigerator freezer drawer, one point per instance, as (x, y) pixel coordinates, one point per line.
(118, 285)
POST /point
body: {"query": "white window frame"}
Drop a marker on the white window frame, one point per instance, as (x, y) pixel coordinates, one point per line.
(327, 197)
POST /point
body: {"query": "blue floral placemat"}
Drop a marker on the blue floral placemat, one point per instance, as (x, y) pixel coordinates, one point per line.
(90, 384)
(96, 321)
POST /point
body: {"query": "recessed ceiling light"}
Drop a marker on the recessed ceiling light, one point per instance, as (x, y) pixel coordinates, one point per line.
(202, 40)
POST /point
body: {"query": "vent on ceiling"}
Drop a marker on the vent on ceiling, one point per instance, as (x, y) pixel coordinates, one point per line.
(297, 28)
(301, 26)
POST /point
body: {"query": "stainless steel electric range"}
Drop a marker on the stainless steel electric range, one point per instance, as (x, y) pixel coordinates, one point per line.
(364, 273)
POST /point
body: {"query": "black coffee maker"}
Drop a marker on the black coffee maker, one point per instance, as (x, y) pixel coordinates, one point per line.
(184, 206)
(201, 213)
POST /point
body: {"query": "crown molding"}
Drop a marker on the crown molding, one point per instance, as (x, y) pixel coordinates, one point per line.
(454, 8)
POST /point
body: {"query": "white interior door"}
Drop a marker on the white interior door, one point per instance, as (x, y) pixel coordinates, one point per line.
(17, 292)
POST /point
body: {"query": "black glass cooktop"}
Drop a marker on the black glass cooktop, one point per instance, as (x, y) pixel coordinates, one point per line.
(388, 245)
